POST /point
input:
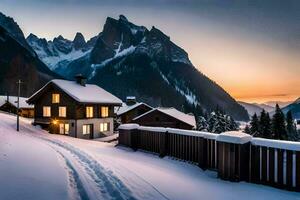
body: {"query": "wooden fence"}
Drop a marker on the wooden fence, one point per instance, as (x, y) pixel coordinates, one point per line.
(235, 156)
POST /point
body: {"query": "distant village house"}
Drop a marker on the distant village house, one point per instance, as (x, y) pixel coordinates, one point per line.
(10, 104)
(75, 108)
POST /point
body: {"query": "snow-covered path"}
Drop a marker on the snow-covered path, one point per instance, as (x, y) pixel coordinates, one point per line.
(38, 165)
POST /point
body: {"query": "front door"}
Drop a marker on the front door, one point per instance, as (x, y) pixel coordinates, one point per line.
(91, 131)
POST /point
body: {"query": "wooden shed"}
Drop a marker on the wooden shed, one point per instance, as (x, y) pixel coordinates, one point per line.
(166, 117)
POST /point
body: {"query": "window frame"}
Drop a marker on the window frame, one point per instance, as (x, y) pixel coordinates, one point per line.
(84, 130)
(55, 98)
(59, 111)
(44, 113)
(89, 110)
(104, 111)
(102, 126)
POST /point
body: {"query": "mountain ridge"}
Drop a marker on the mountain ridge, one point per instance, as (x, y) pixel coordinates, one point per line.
(129, 59)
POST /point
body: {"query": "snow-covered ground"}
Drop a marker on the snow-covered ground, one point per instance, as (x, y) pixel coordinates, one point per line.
(38, 165)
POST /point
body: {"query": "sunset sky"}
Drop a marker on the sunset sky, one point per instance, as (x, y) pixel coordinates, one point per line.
(251, 48)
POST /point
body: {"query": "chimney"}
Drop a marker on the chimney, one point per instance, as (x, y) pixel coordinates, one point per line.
(80, 79)
(130, 100)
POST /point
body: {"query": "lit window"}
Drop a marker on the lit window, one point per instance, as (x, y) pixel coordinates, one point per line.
(55, 98)
(46, 111)
(64, 128)
(89, 111)
(86, 129)
(104, 111)
(104, 127)
(62, 111)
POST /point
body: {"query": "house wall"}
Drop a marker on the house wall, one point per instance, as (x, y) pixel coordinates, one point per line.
(96, 127)
(159, 119)
(27, 112)
(128, 116)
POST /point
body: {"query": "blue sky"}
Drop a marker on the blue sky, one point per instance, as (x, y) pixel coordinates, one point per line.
(247, 46)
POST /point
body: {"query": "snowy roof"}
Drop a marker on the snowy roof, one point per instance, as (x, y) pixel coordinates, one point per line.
(85, 94)
(187, 118)
(125, 108)
(236, 137)
(13, 100)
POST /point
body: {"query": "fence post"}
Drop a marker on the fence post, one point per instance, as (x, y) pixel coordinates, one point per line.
(234, 159)
(163, 144)
(202, 153)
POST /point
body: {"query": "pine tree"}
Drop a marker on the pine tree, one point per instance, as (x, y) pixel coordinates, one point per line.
(291, 127)
(202, 124)
(265, 125)
(219, 122)
(247, 129)
(278, 124)
(254, 126)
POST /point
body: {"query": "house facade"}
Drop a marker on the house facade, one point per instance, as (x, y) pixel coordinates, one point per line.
(74, 108)
(166, 117)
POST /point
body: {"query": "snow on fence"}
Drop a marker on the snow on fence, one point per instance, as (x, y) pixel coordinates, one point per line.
(235, 156)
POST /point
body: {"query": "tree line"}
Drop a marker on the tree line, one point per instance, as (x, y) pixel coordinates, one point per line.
(279, 127)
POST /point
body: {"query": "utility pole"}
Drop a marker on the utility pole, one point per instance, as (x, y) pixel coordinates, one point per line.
(18, 103)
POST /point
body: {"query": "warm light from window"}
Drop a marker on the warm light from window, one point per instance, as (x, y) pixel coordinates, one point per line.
(104, 127)
(62, 111)
(104, 111)
(89, 111)
(55, 98)
(86, 129)
(46, 111)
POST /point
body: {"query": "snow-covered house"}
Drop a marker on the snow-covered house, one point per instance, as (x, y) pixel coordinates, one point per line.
(166, 117)
(75, 108)
(131, 109)
(10, 104)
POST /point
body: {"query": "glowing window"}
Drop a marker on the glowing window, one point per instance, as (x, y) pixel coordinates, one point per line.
(86, 129)
(104, 127)
(46, 111)
(62, 111)
(89, 111)
(104, 111)
(55, 98)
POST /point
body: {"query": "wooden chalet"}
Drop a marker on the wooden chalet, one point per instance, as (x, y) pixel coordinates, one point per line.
(75, 108)
(166, 117)
(132, 109)
(9, 104)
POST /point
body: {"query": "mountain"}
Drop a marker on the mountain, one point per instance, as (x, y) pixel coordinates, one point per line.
(294, 108)
(251, 108)
(127, 59)
(60, 51)
(280, 103)
(266, 107)
(19, 61)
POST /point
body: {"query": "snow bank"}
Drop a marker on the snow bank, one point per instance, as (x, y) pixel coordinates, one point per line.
(236, 137)
(279, 144)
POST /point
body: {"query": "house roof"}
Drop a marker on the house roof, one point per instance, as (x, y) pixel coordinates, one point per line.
(187, 118)
(84, 94)
(13, 100)
(125, 108)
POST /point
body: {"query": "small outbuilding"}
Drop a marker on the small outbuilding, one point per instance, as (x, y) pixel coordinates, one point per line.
(166, 117)
(131, 109)
(10, 104)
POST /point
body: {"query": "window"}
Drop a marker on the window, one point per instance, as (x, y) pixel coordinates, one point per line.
(55, 98)
(64, 128)
(104, 111)
(62, 111)
(46, 111)
(104, 127)
(89, 111)
(86, 129)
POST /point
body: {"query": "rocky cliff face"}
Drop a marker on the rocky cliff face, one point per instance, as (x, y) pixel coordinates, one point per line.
(18, 62)
(128, 59)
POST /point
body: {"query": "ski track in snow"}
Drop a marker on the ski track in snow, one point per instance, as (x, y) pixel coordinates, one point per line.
(88, 179)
